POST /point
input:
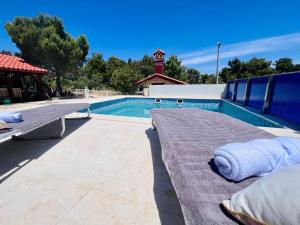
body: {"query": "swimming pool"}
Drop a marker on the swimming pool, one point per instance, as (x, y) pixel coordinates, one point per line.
(140, 107)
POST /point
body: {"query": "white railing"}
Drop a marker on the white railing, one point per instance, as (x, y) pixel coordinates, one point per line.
(85, 93)
(4, 92)
(146, 92)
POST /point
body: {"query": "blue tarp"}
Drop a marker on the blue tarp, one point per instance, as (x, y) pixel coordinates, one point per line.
(285, 97)
(257, 91)
(230, 89)
(240, 95)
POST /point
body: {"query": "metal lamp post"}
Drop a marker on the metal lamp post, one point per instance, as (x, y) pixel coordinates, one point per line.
(218, 53)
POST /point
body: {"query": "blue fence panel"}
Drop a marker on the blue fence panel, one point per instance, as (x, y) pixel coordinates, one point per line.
(285, 97)
(257, 91)
(230, 89)
(241, 88)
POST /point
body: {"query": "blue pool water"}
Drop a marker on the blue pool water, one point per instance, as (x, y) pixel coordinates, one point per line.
(140, 107)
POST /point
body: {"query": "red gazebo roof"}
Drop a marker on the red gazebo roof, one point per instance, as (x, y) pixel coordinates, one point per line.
(162, 77)
(16, 64)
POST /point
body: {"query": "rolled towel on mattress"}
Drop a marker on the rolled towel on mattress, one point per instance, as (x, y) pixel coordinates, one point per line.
(11, 117)
(238, 161)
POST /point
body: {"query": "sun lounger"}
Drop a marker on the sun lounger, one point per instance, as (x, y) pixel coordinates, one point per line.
(188, 139)
(39, 117)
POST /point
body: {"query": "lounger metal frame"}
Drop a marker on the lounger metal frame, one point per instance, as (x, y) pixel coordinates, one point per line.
(18, 135)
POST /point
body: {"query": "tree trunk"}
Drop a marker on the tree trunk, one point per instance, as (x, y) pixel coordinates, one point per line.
(58, 83)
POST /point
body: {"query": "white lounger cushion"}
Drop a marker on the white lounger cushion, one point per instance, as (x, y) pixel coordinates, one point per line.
(273, 199)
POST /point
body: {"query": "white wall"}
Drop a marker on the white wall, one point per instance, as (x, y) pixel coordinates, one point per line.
(204, 91)
(146, 91)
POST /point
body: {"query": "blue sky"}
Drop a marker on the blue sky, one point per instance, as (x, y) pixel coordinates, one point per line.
(189, 29)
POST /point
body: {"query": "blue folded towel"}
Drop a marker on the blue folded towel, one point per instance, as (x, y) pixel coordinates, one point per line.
(11, 117)
(238, 161)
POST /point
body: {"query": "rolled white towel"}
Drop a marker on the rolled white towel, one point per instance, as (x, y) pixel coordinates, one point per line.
(11, 117)
(238, 161)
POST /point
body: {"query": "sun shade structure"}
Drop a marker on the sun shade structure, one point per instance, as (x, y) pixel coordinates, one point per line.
(20, 80)
(16, 64)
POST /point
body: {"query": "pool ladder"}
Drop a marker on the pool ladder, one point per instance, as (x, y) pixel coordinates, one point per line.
(179, 101)
(157, 102)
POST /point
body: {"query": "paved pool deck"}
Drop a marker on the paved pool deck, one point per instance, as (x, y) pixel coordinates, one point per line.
(106, 170)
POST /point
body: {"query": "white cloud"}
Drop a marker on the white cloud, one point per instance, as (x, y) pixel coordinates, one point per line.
(271, 44)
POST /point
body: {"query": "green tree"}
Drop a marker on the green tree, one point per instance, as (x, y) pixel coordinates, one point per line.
(114, 62)
(284, 65)
(208, 79)
(130, 62)
(233, 71)
(238, 69)
(212, 79)
(82, 82)
(95, 70)
(297, 67)
(226, 75)
(95, 64)
(124, 78)
(173, 68)
(145, 67)
(236, 66)
(6, 52)
(43, 41)
(193, 76)
(257, 67)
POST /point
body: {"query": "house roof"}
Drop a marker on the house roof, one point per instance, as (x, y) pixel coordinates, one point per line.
(159, 50)
(16, 64)
(162, 77)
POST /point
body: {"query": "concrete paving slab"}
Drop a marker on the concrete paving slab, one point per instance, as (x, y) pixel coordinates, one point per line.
(44, 203)
(98, 208)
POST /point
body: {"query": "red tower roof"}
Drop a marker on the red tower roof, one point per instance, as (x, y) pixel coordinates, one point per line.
(16, 64)
(159, 51)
